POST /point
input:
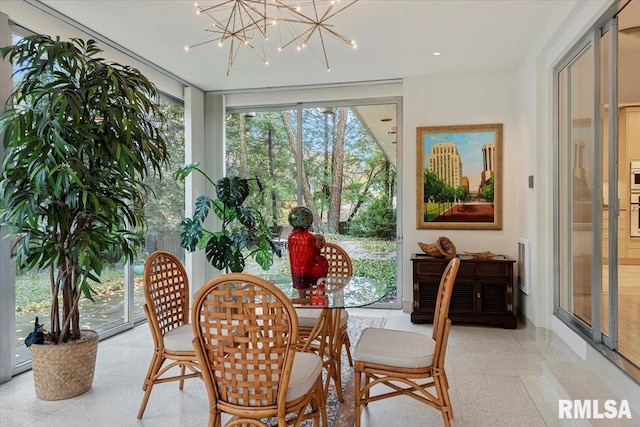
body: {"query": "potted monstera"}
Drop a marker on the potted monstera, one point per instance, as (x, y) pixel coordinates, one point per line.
(243, 232)
(80, 135)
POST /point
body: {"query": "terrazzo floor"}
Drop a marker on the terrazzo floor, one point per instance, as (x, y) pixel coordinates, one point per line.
(498, 377)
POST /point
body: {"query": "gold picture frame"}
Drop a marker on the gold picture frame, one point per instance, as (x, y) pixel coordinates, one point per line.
(459, 177)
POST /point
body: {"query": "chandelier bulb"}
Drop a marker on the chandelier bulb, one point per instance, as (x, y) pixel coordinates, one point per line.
(279, 48)
(186, 48)
(220, 44)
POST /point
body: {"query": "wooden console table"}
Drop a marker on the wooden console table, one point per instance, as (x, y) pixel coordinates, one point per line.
(482, 293)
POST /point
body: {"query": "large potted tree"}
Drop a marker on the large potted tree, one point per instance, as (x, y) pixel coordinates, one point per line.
(80, 135)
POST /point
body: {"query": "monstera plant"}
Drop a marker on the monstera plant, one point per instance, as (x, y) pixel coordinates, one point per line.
(243, 232)
(80, 134)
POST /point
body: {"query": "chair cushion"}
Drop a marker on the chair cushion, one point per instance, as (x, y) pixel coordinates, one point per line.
(306, 369)
(179, 339)
(307, 317)
(394, 348)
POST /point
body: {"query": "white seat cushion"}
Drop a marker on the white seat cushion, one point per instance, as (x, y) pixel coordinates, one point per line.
(394, 348)
(307, 317)
(306, 369)
(179, 339)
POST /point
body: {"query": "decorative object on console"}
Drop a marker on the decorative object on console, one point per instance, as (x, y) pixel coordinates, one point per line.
(443, 247)
(481, 255)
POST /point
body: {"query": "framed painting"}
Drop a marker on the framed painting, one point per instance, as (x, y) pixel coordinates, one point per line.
(459, 177)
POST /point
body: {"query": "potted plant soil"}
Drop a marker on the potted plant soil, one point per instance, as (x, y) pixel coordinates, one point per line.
(80, 134)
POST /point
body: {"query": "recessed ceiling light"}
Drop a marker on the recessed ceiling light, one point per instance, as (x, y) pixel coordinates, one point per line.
(436, 53)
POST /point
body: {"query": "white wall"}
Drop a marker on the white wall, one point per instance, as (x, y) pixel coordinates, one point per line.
(473, 98)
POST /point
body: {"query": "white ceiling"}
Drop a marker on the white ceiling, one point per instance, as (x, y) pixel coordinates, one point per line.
(395, 40)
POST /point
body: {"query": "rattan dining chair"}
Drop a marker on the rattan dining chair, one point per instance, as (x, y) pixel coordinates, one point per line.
(409, 363)
(166, 293)
(246, 332)
(339, 275)
(340, 272)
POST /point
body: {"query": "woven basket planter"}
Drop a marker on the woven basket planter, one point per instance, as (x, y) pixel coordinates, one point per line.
(65, 370)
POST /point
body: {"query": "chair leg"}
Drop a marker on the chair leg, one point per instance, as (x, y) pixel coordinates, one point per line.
(443, 396)
(154, 368)
(215, 418)
(322, 405)
(182, 371)
(358, 393)
(346, 341)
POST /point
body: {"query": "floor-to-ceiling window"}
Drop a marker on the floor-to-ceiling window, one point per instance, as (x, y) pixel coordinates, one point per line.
(597, 245)
(337, 159)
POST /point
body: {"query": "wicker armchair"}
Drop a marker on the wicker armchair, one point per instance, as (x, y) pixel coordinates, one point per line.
(409, 363)
(246, 333)
(166, 293)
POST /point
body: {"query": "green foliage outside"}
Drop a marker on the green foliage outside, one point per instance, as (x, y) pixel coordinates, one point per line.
(33, 293)
(383, 270)
(376, 219)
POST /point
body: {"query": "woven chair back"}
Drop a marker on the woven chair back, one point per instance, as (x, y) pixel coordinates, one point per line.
(246, 329)
(166, 291)
(340, 266)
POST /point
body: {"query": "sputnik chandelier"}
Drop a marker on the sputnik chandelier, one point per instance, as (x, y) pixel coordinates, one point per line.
(249, 23)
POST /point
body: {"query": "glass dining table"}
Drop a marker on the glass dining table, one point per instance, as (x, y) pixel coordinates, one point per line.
(325, 336)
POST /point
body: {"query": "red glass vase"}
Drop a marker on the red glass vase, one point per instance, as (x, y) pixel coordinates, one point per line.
(301, 251)
(319, 268)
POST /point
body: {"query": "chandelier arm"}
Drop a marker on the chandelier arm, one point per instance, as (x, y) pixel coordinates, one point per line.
(338, 35)
(254, 23)
(203, 42)
(340, 10)
(324, 50)
(207, 9)
(305, 18)
(310, 33)
(230, 60)
(296, 38)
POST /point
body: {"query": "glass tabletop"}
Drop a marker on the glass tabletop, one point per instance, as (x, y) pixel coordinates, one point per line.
(358, 292)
